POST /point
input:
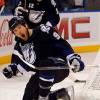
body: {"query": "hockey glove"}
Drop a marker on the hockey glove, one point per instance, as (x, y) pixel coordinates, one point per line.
(20, 11)
(10, 71)
(75, 60)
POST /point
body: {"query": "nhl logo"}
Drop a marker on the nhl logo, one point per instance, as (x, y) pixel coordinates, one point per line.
(39, 0)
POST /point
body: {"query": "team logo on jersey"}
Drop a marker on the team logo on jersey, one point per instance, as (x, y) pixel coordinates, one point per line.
(29, 53)
(36, 16)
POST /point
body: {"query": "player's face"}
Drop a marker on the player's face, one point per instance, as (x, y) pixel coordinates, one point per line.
(21, 32)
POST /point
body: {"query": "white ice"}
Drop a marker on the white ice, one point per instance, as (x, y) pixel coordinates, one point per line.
(13, 89)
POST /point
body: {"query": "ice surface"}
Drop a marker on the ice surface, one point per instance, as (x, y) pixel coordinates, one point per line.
(13, 89)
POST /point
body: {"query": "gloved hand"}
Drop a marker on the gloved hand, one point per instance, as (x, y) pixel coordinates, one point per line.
(10, 71)
(76, 65)
(20, 11)
(76, 62)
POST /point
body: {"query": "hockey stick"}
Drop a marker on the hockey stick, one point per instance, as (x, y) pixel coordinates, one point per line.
(53, 68)
(25, 4)
(92, 65)
(67, 66)
(48, 67)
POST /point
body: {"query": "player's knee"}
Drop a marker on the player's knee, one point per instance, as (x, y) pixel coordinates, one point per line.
(45, 85)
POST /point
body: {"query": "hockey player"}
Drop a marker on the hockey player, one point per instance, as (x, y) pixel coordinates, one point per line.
(42, 48)
(37, 12)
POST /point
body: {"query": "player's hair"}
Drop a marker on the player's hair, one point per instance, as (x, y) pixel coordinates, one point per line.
(16, 21)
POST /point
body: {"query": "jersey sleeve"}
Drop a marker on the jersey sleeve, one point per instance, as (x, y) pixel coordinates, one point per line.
(53, 13)
(61, 45)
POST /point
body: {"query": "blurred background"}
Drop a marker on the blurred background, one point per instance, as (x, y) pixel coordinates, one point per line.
(63, 5)
(78, 5)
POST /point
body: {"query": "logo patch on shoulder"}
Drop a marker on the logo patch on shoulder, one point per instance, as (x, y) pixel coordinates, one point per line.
(45, 28)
